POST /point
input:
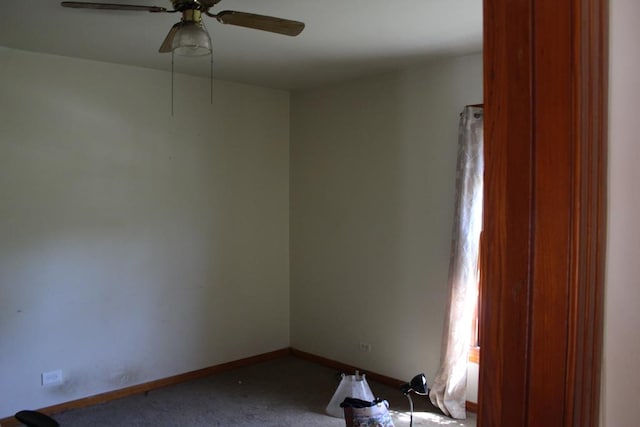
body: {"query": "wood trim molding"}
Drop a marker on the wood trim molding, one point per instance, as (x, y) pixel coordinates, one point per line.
(471, 407)
(545, 103)
(153, 385)
(504, 289)
(590, 127)
(392, 382)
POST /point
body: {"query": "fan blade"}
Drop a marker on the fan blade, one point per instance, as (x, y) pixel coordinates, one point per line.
(166, 44)
(260, 22)
(111, 6)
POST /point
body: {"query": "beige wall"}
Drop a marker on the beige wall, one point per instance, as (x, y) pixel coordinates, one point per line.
(135, 245)
(372, 197)
(621, 377)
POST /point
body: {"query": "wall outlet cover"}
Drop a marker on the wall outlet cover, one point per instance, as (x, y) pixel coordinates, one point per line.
(52, 377)
(366, 347)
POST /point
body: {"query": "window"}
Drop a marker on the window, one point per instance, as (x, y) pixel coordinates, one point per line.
(474, 349)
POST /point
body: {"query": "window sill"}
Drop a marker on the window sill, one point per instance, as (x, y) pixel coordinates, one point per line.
(474, 355)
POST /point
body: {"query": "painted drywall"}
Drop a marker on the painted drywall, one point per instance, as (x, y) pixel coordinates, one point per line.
(372, 198)
(621, 377)
(135, 245)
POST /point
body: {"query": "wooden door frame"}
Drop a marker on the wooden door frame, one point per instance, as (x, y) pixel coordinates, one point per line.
(545, 99)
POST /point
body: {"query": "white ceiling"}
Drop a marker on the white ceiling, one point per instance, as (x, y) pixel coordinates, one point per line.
(343, 39)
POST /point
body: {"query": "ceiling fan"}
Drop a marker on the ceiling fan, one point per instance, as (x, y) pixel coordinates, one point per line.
(189, 37)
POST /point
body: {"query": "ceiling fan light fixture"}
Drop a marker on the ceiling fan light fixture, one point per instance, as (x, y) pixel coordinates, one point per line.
(191, 38)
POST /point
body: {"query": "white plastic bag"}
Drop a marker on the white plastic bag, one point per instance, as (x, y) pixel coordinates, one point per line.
(375, 415)
(355, 386)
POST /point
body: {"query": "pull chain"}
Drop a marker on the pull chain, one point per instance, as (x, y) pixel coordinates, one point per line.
(211, 76)
(172, 83)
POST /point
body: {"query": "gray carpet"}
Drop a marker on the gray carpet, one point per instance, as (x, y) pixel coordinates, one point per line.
(279, 393)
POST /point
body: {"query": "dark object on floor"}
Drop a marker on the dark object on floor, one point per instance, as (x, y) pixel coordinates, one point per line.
(418, 385)
(36, 419)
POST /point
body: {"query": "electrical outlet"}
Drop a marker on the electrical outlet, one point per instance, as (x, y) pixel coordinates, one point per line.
(366, 347)
(52, 377)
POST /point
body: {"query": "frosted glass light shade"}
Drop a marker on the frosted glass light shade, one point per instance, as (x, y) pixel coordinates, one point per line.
(191, 39)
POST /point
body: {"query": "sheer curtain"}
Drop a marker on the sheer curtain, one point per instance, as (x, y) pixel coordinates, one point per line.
(448, 390)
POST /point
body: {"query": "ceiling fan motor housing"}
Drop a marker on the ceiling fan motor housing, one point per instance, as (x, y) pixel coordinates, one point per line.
(202, 5)
(192, 15)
